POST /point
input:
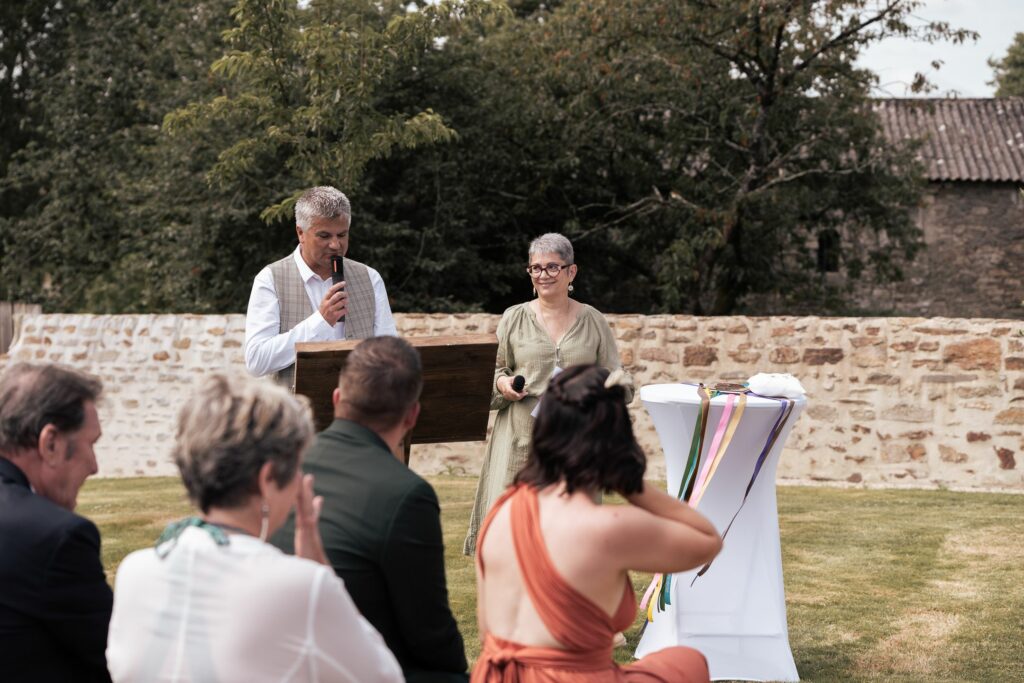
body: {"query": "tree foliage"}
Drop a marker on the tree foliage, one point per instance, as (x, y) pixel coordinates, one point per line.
(693, 150)
(97, 230)
(1008, 72)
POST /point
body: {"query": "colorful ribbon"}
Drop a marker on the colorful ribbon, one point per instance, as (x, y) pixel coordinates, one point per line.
(719, 444)
(786, 409)
(692, 482)
(696, 444)
(727, 426)
(661, 584)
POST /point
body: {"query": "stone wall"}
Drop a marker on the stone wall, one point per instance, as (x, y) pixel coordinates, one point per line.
(973, 262)
(892, 401)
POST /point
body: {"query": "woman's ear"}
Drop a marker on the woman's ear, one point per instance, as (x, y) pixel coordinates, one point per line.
(265, 478)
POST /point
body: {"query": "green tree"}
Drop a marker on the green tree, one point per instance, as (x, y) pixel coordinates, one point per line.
(693, 150)
(306, 100)
(1008, 76)
(32, 47)
(126, 217)
(93, 233)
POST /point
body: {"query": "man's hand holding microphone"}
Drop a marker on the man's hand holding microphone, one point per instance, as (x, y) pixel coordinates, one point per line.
(335, 302)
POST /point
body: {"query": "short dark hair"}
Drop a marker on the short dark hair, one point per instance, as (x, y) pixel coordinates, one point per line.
(228, 428)
(35, 395)
(381, 379)
(583, 436)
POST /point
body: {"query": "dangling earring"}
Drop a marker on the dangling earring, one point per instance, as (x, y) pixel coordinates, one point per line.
(571, 288)
(535, 291)
(264, 520)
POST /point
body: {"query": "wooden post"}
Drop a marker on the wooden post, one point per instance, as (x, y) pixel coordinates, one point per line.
(9, 312)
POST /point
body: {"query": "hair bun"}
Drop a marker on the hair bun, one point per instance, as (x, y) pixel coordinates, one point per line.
(562, 394)
(618, 378)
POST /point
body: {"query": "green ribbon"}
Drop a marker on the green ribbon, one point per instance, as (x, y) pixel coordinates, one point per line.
(169, 538)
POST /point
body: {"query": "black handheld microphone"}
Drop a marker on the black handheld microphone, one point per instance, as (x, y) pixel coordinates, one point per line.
(518, 382)
(338, 273)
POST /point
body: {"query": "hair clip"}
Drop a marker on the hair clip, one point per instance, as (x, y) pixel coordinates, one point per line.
(618, 378)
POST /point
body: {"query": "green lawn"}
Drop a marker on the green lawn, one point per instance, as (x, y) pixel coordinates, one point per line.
(880, 585)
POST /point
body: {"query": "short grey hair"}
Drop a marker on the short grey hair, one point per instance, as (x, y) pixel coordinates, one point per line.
(228, 428)
(35, 395)
(321, 202)
(553, 243)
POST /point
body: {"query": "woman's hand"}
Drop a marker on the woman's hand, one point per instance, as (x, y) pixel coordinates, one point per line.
(307, 513)
(504, 385)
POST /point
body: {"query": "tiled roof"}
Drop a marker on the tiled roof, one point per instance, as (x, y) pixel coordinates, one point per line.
(962, 139)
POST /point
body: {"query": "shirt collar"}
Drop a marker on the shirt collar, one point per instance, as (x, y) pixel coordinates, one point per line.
(305, 272)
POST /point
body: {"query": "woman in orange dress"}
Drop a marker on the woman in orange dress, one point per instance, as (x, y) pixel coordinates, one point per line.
(553, 586)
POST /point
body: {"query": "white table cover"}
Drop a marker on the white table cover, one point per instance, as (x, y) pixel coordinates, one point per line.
(736, 613)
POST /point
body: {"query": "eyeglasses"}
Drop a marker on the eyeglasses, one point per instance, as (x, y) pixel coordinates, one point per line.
(552, 269)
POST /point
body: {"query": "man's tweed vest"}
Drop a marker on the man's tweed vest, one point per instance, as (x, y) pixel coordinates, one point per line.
(295, 307)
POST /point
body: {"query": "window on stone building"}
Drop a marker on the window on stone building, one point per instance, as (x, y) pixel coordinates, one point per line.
(828, 251)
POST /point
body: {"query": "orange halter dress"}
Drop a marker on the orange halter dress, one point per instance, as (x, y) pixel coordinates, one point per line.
(582, 627)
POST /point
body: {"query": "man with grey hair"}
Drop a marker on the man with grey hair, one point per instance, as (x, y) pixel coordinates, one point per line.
(54, 599)
(294, 300)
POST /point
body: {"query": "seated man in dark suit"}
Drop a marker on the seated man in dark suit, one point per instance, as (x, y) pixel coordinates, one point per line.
(381, 522)
(54, 599)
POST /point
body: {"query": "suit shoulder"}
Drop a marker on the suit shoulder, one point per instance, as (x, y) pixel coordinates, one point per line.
(39, 516)
(419, 489)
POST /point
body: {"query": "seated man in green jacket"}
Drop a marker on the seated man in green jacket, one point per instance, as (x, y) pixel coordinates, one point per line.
(381, 522)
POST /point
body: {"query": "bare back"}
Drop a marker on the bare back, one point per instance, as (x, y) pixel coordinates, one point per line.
(574, 530)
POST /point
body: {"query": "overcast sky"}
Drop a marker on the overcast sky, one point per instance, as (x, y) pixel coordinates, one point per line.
(965, 69)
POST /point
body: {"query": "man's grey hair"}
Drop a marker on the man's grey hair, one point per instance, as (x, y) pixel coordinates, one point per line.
(321, 202)
(33, 396)
(553, 243)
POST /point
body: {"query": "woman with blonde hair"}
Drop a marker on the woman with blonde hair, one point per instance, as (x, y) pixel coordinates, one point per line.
(213, 601)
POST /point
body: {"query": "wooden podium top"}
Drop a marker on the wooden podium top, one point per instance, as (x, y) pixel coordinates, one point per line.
(458, 374)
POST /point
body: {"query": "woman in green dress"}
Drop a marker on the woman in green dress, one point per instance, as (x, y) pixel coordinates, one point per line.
(535, 339)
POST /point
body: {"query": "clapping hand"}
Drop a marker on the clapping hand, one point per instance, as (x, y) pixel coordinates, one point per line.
(307, 514)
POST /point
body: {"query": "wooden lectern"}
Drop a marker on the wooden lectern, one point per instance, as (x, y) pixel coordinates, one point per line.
(458, 374)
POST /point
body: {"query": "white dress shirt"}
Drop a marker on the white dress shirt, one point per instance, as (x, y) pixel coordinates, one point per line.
(241, 612)
(267, 350)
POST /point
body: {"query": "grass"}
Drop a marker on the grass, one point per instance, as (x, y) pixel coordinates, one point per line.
(880, 585)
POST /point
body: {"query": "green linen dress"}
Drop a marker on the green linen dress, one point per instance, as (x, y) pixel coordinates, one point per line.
(525, 348)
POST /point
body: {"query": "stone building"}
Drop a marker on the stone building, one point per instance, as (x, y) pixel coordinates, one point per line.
(972, 215)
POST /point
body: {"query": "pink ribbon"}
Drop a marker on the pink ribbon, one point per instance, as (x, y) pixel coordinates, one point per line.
(716, 441)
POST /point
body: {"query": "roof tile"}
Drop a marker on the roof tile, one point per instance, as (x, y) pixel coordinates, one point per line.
(962, 139)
